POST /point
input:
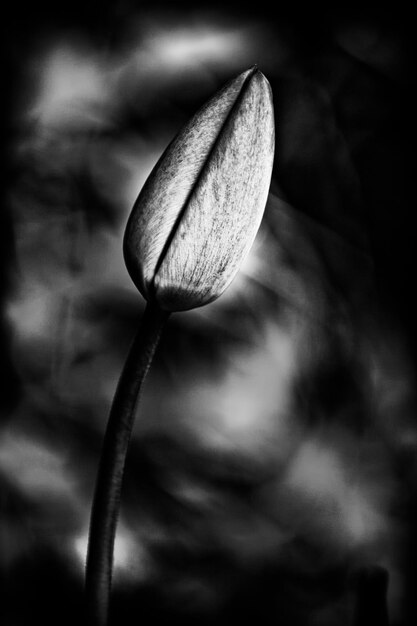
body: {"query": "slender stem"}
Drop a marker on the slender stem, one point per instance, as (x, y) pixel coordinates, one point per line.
(110, 473)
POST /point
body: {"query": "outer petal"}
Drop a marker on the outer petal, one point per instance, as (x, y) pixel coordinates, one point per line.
(166, 192)
(224, 211)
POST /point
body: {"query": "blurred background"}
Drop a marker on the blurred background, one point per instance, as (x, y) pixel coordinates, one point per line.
(272, 476)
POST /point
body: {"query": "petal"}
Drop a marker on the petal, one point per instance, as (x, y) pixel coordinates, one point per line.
(224, 211)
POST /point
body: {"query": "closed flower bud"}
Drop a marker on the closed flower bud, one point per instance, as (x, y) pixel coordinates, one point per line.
(199, 211)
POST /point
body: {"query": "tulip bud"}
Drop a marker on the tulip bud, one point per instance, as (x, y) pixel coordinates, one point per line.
(199, 211)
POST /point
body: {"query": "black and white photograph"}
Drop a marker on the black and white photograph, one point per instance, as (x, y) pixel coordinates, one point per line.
(208, 336)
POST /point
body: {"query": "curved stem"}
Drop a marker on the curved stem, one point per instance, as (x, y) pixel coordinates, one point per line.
(110, 473)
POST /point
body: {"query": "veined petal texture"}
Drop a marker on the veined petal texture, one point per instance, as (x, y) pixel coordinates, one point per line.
(198, 213)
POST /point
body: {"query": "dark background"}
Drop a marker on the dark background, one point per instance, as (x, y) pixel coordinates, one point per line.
(272, 474)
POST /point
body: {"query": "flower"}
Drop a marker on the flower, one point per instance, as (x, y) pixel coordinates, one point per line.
(200, 209)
